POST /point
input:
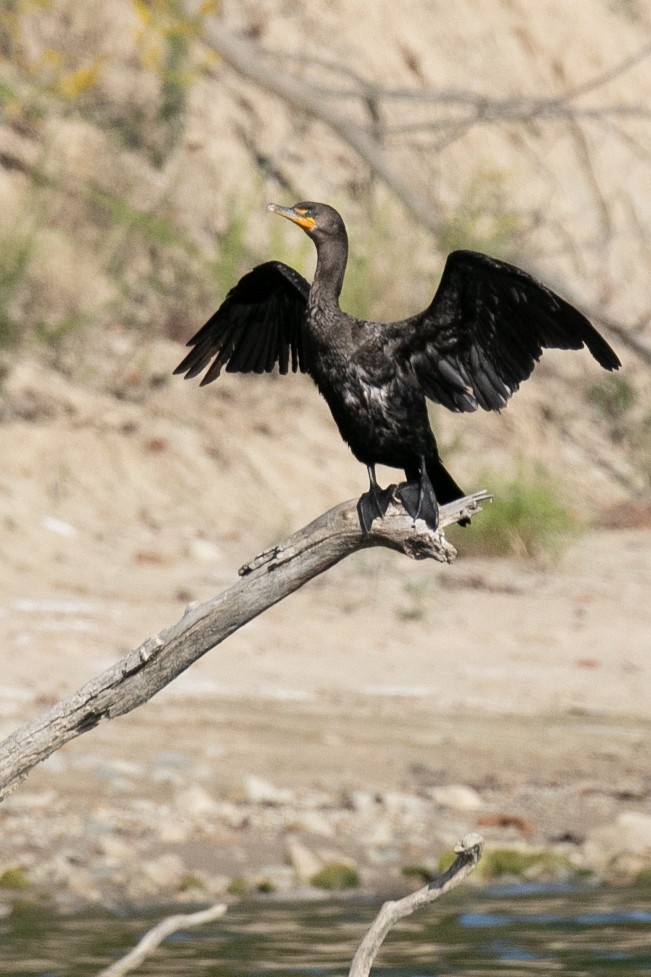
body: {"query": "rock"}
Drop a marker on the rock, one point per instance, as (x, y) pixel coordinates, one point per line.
(314, 823)
(315, 800)
(304, 862)
(635, 829)
(55, 525)
(197, 802)
(203, 551)
(164, 873)
(405, 807)
(275, 878)
(116, 850)
(459, 797)
(627, 843)
(74, 883)
(31, 802)
(232, 815)
(380, 835)
(261, 791)
(171, 831)
(362, 801)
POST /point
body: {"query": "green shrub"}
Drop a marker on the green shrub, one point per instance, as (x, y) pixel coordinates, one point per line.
(16, 248)
(336, 876)
(238, 887)
(523, 864)
(613, 395)
(526, 518)
(13, 878)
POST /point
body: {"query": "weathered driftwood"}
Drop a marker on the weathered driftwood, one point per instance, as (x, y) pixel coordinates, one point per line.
(155, 936)
(468, 852)
(266, 580)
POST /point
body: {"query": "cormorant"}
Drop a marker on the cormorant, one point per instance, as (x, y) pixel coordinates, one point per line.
(471, 347)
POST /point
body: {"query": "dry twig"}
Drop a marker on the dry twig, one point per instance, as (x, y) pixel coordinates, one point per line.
(468, 852)
(154, 937)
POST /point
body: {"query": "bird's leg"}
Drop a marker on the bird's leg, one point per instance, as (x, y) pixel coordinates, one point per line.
(373, 503)
(419, 499)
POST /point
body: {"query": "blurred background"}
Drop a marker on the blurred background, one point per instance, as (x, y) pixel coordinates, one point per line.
(139, 145)
(139, 151)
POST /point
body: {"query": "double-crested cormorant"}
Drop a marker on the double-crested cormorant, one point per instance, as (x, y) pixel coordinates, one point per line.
(476, 342)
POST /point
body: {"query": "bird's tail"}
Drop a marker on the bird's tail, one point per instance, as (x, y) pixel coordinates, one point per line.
(445, 487)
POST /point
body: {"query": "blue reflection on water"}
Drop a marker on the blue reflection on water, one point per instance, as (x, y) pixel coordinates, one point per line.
(490, 920)
(620, 916)
(602, 932)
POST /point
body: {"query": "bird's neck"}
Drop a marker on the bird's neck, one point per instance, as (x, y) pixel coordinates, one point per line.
(332, 257)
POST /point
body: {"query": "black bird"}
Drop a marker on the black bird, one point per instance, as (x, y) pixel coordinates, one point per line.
(476, 342)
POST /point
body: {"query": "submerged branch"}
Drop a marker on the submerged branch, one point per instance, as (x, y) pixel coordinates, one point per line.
(468, 852)
(155, 936)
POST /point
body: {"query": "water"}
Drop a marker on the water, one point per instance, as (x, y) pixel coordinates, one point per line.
(516, 931)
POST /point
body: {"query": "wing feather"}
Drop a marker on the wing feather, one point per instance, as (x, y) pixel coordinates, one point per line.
(484, 331)
(259, 325)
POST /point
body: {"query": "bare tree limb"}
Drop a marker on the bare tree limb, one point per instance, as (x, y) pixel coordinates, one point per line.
(154, 937)
(269, 578)
(248, 60)
(468, 852)
(459, 96)
(251, 61)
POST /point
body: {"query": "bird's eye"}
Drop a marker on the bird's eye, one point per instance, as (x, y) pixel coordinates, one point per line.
(304, 211)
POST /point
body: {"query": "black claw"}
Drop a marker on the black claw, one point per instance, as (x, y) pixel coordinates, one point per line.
(373, 505)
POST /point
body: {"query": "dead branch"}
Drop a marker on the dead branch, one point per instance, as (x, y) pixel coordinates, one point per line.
(249, 61)
(458, 96)
(468, 852)
(154, 937)
(267, 579)
(261, 66)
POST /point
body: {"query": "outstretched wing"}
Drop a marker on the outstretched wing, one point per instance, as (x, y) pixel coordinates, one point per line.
(260, 324)
(485, 330)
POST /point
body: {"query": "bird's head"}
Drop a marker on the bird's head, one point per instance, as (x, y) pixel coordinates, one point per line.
(319, 221)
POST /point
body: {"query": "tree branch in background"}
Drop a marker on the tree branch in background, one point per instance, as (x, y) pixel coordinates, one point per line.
(249, 61)
(468, 852)
(269, 578)
(154, 937)
(260, 66)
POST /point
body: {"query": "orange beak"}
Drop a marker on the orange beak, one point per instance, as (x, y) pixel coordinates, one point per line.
(298, 217)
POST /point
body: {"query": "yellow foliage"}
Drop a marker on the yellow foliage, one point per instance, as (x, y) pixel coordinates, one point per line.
(151, 53)
(72, 84)
(51, 58)
(143, 11)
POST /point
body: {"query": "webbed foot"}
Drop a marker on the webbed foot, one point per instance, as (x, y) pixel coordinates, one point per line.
(373, 505)
(419, 501)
